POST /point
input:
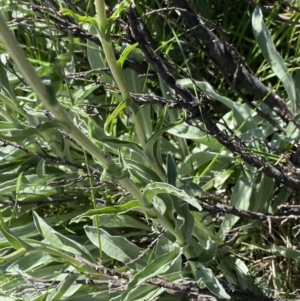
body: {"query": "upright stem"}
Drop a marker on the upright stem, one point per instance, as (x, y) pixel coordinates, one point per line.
(104, 33)
(49, 100)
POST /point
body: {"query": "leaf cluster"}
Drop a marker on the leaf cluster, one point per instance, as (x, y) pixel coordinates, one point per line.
(160, 160)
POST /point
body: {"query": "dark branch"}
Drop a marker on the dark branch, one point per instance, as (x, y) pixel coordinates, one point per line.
(191, 104)
(224, 59)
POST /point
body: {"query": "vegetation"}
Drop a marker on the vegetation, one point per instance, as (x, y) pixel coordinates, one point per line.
(149, 150)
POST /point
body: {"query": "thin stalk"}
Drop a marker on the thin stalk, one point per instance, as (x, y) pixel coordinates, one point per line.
(104, 33)
(33, 80)
(117, 74)
(96, 218)
(49, 101)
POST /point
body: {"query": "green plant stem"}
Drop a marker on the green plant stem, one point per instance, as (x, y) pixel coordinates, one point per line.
(117, 74)
(104, 33)
(32, 79)
(96, 218)
(48, 100)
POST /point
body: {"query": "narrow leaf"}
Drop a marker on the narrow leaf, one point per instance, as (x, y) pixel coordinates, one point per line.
(156, 267)
(113, 116)
(118, 209)
(154, 189)
(207, 88)
(16, 242)
(171, 170)
(273, 58)
(206, 276)
(240, 199)
(60, 241)
(125, 54)
(58, 293)
(117, 247)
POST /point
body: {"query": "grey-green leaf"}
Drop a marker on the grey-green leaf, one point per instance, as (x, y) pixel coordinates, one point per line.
(156, 267)
(273, 58)
(60, 241)
(206, 276)
(117, 247)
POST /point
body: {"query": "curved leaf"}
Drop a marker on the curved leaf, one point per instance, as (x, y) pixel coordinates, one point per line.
(60, 241)
(117, 247)
(206, 276)
(154, 189)
(158, 266)
(273, 58)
